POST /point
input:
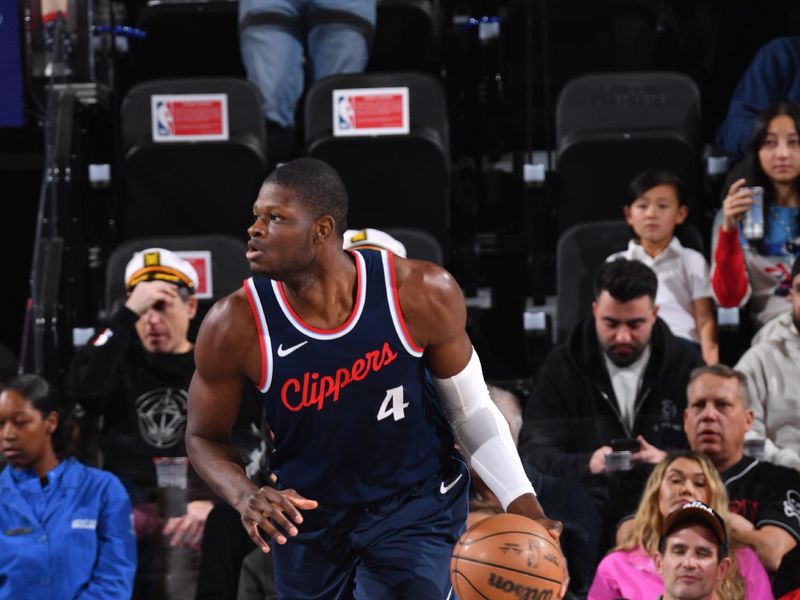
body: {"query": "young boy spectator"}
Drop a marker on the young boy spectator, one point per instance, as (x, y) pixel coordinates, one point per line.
(653, 211)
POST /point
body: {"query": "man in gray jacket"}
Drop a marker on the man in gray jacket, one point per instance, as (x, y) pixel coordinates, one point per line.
(772, 367)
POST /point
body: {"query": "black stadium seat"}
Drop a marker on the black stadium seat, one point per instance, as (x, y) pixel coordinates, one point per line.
(407, 36)
(187, 38)
(392, 180)
(192, 187)
(612, 126)
(420, 245)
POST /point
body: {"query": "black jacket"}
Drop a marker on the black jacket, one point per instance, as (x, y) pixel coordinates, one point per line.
(573, 410)
(138, 401)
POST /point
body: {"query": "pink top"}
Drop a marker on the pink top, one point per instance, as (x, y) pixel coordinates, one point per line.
(632, 575)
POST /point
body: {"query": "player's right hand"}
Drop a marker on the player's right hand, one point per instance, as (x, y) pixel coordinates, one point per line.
(275, 512)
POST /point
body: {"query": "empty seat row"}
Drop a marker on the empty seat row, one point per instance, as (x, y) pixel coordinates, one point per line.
(194, 152)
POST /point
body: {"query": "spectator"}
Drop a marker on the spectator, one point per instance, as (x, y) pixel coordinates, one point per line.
(630, 570)
(764, 498)
(336, 34)
(66, 527)
(654, 210)
(772, 368)
(8, 369)
(621, 374)
(693, 554)
(759, 270)
(133, 379)
(773, 76)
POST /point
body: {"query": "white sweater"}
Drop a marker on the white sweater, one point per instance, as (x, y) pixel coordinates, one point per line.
(772, 367)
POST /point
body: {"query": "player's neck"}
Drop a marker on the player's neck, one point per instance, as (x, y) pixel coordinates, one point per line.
(324, 295)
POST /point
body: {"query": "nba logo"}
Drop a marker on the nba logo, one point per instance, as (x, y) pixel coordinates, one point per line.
(345, 113)
(164, 121)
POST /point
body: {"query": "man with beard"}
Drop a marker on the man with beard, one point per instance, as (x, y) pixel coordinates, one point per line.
(772, 367)
(621, 374)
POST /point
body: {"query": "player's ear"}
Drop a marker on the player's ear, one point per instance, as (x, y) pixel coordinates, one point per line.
(325, 227)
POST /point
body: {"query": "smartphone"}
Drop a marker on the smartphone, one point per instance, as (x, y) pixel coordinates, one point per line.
(630, 444)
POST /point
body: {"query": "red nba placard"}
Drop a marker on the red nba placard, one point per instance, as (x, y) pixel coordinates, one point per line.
(189, 117)
(201, 261)
(370, 111)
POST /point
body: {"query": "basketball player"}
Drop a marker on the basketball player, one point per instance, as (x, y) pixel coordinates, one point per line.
(369, 498)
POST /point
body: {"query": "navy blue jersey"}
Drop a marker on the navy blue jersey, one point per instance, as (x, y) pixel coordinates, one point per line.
(347, 406)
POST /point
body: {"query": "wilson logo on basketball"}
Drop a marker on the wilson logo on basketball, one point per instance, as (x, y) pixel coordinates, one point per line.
(314, 388)
(523, 592)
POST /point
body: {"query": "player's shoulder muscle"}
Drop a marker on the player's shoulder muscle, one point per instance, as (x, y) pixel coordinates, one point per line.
(227, 336)
(430, 298)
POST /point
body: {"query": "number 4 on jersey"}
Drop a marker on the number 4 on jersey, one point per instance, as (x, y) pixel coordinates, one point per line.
(393, 405)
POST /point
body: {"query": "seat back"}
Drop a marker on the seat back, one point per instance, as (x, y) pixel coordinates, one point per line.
(187, 186)
(407, 36)
(612, 126)
(580, 252)
(219, 259)
(400, 180)
(420, 245)
(178, 32)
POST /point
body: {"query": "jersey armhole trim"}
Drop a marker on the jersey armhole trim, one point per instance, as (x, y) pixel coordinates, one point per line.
(263, 335)
(394, 306)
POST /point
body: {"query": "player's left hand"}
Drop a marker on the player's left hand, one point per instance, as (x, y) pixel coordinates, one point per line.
(528, 506)
(187, 530)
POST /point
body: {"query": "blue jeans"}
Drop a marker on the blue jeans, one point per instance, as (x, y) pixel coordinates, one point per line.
(273, 57)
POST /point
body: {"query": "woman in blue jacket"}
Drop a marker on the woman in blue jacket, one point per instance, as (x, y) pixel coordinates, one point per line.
(65, 529)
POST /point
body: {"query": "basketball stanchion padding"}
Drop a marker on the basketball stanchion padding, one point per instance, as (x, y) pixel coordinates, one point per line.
(507, 556)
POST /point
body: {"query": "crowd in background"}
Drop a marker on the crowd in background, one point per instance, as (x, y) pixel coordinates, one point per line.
(630, 419)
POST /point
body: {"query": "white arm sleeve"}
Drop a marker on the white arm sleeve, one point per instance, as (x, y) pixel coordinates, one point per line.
(482, 432)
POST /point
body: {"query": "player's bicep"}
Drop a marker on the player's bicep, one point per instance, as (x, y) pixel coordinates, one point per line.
(216, 387)
(213, 406)
(449, 357)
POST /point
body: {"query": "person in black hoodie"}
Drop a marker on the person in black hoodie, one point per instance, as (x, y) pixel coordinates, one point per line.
(620, 375)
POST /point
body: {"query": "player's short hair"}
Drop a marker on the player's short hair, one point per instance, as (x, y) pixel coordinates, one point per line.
(726, 372)
(317, 185)
(625, 280)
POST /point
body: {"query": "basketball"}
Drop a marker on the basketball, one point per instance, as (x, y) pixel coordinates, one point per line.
(506, 556)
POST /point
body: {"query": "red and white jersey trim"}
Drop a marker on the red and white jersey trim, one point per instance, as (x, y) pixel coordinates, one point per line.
(344, 328)
(263, 336)
(394, 306)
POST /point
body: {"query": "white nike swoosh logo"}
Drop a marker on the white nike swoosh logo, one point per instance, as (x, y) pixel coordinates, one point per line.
(287, 351)
(446, 488)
